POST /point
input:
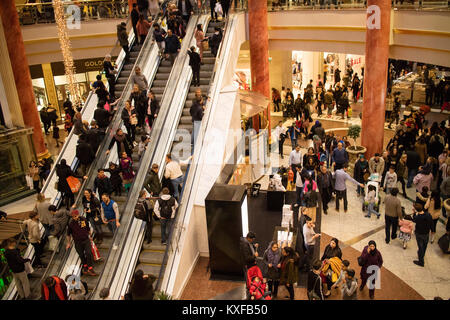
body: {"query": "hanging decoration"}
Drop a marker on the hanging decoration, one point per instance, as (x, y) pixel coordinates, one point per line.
(64, 42)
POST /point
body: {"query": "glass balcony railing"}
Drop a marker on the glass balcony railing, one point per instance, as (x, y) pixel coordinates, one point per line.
(278, 5)
(33, 13)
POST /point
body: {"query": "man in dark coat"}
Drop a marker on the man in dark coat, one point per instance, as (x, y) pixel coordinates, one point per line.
(84, 153)
(123, 37)
(153, 184)
(172, 46)
(63, 171)
(248, 250)
(94, 136)
(215, 40)
(102, 116)
(194, 62)
(152, 107)
(361, 168)
(102, 183)
(45, 119)
(185, 9)
(326, 187)
(134, 18)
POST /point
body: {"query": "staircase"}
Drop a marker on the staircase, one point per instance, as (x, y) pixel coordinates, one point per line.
(126, 69)
(161, 78)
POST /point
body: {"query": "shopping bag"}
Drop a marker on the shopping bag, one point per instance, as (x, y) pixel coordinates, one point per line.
(107, 107)
(205, 45)
(95, 253)
(52, 243)
(74, 184)
(28, 268)
(29, 181)
(349, 112)
(218, 8)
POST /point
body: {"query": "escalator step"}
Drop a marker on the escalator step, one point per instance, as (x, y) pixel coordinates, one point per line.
(149, 269)
(151, 257)
(204, 88)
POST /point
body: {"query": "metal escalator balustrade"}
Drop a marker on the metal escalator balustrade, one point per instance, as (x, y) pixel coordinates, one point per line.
(67, 152)
(121, 264)
(148, 60)
(170, 263)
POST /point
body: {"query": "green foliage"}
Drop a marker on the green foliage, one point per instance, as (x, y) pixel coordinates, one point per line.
(354, 132)
(161, 295)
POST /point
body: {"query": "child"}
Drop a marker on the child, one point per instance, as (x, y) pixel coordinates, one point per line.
(56, 135)
(116, 179)
(390, 181)
(258, 290)
(350, 286)
(370, 198)
(143, 144)
(406, 229)
(342, 276)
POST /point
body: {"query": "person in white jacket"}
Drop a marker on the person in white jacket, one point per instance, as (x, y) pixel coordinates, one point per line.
(165, 209)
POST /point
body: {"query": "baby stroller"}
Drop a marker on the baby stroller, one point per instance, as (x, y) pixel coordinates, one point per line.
(252, 273)
(376, 184)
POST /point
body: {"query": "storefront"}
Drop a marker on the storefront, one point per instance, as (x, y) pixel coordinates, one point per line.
(50, 83)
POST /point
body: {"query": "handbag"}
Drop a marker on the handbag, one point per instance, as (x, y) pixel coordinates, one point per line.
(205, 45)
(360, 261)
(133, 120)
(29, 181)
(28, 268)
(74, 184)
(95, 252)
(312, 295)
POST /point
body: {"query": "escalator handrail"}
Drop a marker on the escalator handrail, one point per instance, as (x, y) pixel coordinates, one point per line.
(177, 226)
(149, 155)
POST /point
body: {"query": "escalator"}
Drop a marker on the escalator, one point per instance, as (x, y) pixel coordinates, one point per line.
(151, 256)
(120, 263)
(68, 153)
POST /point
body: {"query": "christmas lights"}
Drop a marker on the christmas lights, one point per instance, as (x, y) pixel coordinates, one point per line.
(64, 42)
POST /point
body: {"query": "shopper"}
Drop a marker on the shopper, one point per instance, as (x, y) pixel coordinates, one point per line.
(174, 174)
(54, 288)
(102, 183)
(339, 157)
(60, 219)
(79, 230)
(63, 171)
(360, 173)
(423, 221)
(370, 257)
(141, 287)
(194, 62)
(126, 165)
(123, 142)
(92, 210)
(41, 207)
(215, 40)
(165, 209)
(248, 250)
(350, 286)
(34, 237)
(123, 37)
(402, 173)
(272, 258)
(341, 176)
(143, 26)
(289, 270)
(314, 287)
(172, 46)
(393, 212)
(310, 237)
(326, 186)
(143, 208)
(158, 36)
(295, 159)
(110, 213)
(153, 184)
(17, 265)
(115, 179)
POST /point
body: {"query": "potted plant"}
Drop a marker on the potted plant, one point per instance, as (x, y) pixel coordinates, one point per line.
(161, 295)
(354, 151)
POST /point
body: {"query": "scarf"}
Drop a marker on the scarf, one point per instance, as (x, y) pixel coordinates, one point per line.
(121, 140)
(273, 257)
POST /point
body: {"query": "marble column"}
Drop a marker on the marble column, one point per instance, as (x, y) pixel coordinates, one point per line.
(375, 75)
(259, 52)
(22, 77)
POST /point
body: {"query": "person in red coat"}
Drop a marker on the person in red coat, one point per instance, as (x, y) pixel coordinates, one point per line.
(370, 259)
(53, 288)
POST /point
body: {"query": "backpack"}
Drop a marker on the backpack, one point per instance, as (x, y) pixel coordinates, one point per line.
(166, 207)
(140, 211)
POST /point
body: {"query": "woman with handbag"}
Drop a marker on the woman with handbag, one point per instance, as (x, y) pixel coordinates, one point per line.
(314, 288)
(63, 171)
(91, 207)
(126, 164)
(129, 118)
(272, 257)
(289, 269)
(122, 140)
(370, 257)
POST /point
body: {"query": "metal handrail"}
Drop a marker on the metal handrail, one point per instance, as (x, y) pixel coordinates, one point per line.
(149, 154)
(131, 193)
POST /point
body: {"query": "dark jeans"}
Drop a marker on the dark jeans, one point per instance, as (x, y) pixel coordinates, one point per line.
(97, 227)
(411, 174)
(83, 249)
(299, 191)
(69, 199)
(112, 226)
(126, 49)
(280, 147)
(273, 286)
(326, 197)
(149, 227)
(196, 76)
(309, 256)
(131, 130)
(391, 222)
(165, 229)
(422, 242)
(290, 289)
(213, 13)
(38, 249)
(341, 195)
(293, 167)
(36, 186)
(364, 282)
(403, 182)
(112, 84)
(46, 126)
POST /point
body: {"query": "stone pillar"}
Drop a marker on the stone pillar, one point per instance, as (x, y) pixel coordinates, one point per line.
(259, 52)
(375, 74)
(22, 77)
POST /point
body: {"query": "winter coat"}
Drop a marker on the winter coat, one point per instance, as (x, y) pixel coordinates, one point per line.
(289, 269)
(247, 255)
(376, 167)
(421, 180)
(122, 35)
(153, 184)
(63, 172)
(60, 220)
(85, 153)
(370, 260)
(361, 167)
(148, 291)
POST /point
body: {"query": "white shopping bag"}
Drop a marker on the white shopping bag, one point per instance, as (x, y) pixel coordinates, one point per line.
(218, 8)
